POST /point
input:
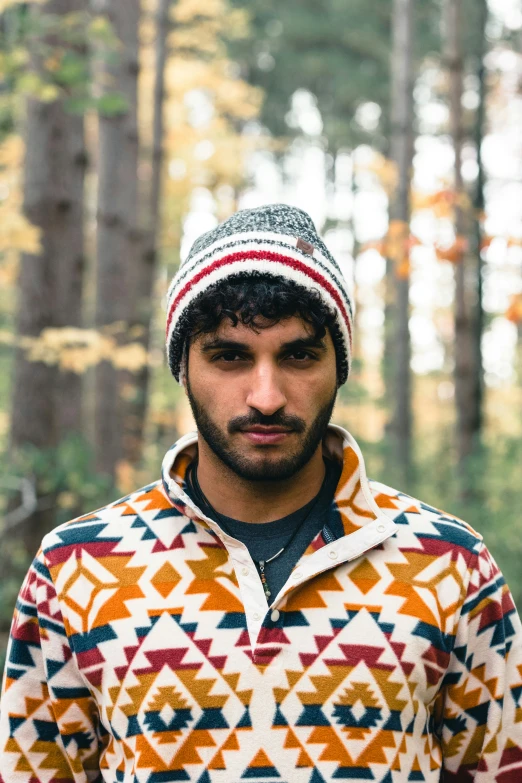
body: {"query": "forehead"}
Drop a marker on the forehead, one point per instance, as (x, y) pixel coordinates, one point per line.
(272, 335)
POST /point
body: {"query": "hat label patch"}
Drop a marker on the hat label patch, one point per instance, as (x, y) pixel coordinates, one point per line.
(305, 247)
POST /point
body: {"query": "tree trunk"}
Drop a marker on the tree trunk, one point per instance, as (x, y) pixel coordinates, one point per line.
(355, 254)
(401, 150)
(46, 403)
(479, 205)
(137, 407)
(464, 372)
(117, 235)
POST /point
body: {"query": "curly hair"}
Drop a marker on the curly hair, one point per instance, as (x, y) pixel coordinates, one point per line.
(247, 298)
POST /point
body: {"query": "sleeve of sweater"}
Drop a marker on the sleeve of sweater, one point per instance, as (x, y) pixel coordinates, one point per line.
(481, 716)
(49, 727)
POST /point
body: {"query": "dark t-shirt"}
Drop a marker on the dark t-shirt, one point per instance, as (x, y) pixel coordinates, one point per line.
(264, 539)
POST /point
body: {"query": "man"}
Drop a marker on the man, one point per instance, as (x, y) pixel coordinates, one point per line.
(264, 612)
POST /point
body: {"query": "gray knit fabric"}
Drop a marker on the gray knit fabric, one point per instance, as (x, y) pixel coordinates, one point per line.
(277, 218)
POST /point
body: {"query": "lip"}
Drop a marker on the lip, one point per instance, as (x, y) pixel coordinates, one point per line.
(267, 435)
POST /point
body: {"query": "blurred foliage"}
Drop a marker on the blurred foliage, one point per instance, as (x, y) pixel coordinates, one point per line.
(65, 473)
(343, 56)
(68, 481)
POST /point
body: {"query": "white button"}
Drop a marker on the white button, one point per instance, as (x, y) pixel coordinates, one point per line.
(257, 616)
(381, 528)
(275, 616)
(297, 575)
(244, 571)
(333, 554)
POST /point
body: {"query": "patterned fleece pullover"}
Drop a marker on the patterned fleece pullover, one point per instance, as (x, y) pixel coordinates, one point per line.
(142, 648)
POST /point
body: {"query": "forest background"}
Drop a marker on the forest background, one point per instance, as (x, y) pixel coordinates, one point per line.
(128, 128)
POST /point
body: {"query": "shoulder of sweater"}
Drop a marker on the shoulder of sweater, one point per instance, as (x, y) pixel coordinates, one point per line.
(423, 519)
(149, 500)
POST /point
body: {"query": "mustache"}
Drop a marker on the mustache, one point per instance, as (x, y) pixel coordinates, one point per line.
(278, 419)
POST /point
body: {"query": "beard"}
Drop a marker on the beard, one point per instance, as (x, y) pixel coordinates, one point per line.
(265, 467)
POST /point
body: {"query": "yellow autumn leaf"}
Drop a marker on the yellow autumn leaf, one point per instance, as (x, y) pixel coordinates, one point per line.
(66, 500)
(12, 151)
(16, 233)
(384, 168)
(47, 93)
(132, 357)
(71, 348)
(56, 337)
(100, 24)
(8, 271)
(78, 360)
(187, 10)
(5, 4)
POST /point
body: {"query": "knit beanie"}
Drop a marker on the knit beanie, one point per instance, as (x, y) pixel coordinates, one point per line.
(275, 240)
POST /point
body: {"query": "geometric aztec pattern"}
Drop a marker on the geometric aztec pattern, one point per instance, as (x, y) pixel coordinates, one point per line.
(135, 653)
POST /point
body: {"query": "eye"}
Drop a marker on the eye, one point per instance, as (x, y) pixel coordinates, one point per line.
(301, 356)
(229, 357)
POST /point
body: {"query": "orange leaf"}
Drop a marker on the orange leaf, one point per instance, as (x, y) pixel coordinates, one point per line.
(455, 252)
(397, 229)
(376, 244)
(514, 311)
(402, 270)
(446, 196)
(413, 241)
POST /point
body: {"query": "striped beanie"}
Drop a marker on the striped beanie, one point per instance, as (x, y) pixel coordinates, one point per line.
(276, 240)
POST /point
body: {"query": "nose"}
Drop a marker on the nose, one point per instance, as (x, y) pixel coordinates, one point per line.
(266, 392)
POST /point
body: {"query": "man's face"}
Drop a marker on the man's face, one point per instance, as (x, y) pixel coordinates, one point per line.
(262, 400)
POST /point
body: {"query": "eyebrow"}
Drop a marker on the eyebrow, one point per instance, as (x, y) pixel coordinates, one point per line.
(233, 345)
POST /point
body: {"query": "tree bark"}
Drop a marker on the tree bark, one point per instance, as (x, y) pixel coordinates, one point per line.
(137, 407)
(479, 205)
(464, 372)
(401, 150)
(118, 235)
(47, 404)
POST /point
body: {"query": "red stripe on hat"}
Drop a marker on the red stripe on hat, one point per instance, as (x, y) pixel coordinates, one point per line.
(261, 255)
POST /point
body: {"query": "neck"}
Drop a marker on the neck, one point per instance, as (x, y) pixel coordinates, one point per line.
(256, 501)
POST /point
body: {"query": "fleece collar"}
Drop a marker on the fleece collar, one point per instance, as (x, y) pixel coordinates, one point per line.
(365, 524)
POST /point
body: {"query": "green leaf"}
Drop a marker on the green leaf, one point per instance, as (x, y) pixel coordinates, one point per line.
(73, 70)
(78, 104)
(112, 104)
